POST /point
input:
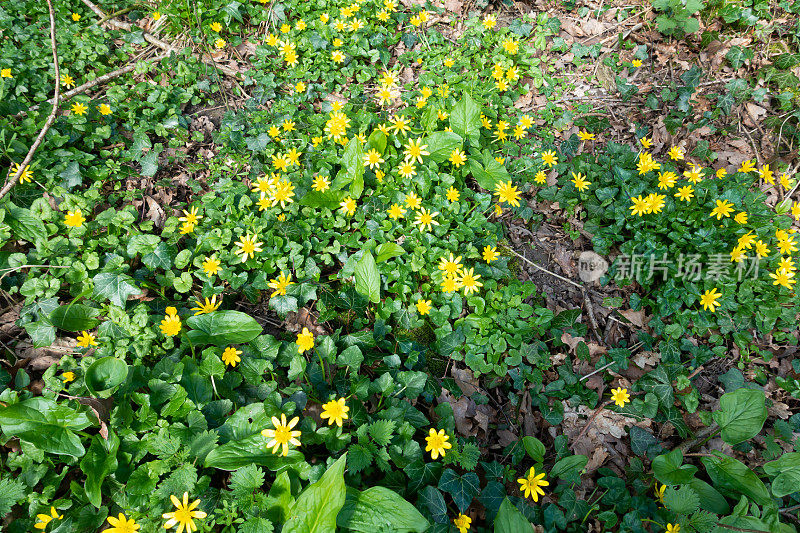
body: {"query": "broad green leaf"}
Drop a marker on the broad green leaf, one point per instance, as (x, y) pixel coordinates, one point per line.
(368, 279)
(351, 357)
(249, 450)
(105, 374)
(670, 470)
(100, 460)
(42, 333)
(24, 225)
(786, 483)
(45, 424)
(441, 144)
(534, 448)
(75, 317)
(223, 328)
(732, 476)
(330, 199)
(379, 509)
(741, 414)
(569, 467)
(710, 498)
(510, 520)
(279, 501)
(352, 172)
(316, 508)
(387, 250)
(377, 141)
(465, 119)
(116, 287)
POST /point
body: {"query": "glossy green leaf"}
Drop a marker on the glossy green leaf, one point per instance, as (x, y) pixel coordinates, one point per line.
(510, 520)
(741, 414)
(75, 317)
(441, 144)
(223, 328)
(734, 478)
(105, 374)
(100, 460)
(368, 279)
(379, 509)
(249, 450)
(534, 448)
(670, 470)
(569, 467)
(45, 424)
(316, 508)
(465, 118)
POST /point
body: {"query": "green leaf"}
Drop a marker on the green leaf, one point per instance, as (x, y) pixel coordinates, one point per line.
(733, 477)
(223, 328)
(433, 499)
(442, 143)
(352, 173)
(670, 470)
(100, 460)
(387, 250)
(681, 501)
(249, 450)
(786, 483)
(246, 479)
(379, 509)
(368, 279)
(465, 119)
(510, 520)
(710, 498)
(569, 467)
(318, 505)
(462, 488)
(24, 225)
(75, 317)
(741, 414)
(279, 501)
(42, 333)
(105, 374)
(45, 424)
(11, 492)
(115, 287)
(534, 448)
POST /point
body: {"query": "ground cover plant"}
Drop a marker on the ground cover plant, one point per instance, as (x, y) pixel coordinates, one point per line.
(381, 266)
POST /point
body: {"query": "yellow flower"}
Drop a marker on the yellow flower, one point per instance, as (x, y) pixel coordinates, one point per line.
(787, 245)
(383, 15)
(761, 248)
(67, 377)
(746, 241)
(191, 216)
(414, 150)
(462, 523)
(184, 514)
(646, 142)
(737, 255)
(86, 339)
(449, 62)
(694, 174)
(415, 21)
(646, 163)
(766, 174)
(489, 21)
(76, 17)
(425, 219)
(300, 25)
(721, 173)
(450, 266)
(300, 87)
(104, 109)
(321, 183)
(285, 28)
(741, 218)
(540, 178)
(675, 153)
(452, 194)
(786, 182)
(450, 283)
(305, 341)
(685, 194)
(585, 135)
(79, 109)
(74, 219)
(282, 435)
(666, 180)
(46, 519)
(655, 202)
(507, 193)
(709, 300)
(211, 265)
(783, 277)
(67, 81)
(248, 246)
(280, 284)
(156, 15)
(490, 253)
(337, 56)
(6, 73)
(532, 484)
(469, 281)
(620, 396)
(122, 525)
(335, 411)
(660, 493)
(207, 306)
(437, 443)
(272, 40)
(324, 18)
(673, 529)
(220, 43)
(373, 158)
(348, 205)
(216, 27)
(396, 212)
(724, 208)
(399, 125)
(580, 182)
(187, 228)
(747, 167)
(511, 46)
(796, 210)
(316, 141)
(407, 169)
(458, 158)
(171, 325)
(636, 63)
(640, 206)
(230, 356)
(423, 306)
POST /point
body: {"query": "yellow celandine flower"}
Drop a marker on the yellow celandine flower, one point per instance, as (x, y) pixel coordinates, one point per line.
(285, 28)
(787, 264)
(396, 212)
(414, 150)
(741, 217)
(248, 246)
(305, 341)
(746, 241)
(6, 73)
(337, 124)
(685, 194)
(274, 132)
(540, 178)
(301, 25)
(86, 339)
(786, 182)
(171, 325)
(501, 86)
(280, 284)
(737, 255)
(443, 91)
(76, 17)
(724, 208)
(184, 514)
(385, 95)
(316, 141)
(666, 180)
(709, 300)
(122, 525)
(74, 219)
(67, 81)
(45, 519)
(500, 160)
(511, 46)
(209, 306)
(104, 109)
(458, 158)
(469, 281)
(348, 205)
(220, 43)
(766, 174)
(694, 174)
(507, 193)
(339, 25)
(156, 15)
(489, 21)
(485, 122)
(67, 377)
(288, 125)
(423, 15)
(272, 40)
(186, 228)
(407, 169)
(423, 306)
(531, 485)
(620, 396)
(646, 163)
(795, 211)
(451, 266)
(282, 193)
(413, 201)
(721, 173)
(450, 283)
(337, 56)
(216, 27)
(300, 87)
(655, 202)
(441, 114)
(321, 183)
(211, 265)
(79, 109)
(280, 162)
(373, 158)
(448, 62)
(421, 102)
(675, 153)
(646, 142)
(640, 206)
(282, 435)
(490, 253)
(636, 63)
(761, 248)
(437, 443)
(787, 245)
(452, 194)
(335, 411)
(190, 217)
(585, 135)
(673, 528)
(231, 356)
(519, 132)
(293, 155)
(462, 523)
(425, 219)
(747, 167)
(383, 15)
(324, 18)
(580, 182)
(660, 493)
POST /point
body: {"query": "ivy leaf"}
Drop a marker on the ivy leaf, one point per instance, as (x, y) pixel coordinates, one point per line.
(462, 488)
(316, 508)
(116, 287)
(433, 499)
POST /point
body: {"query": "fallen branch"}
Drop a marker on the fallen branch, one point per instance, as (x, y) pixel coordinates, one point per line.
(50, 119)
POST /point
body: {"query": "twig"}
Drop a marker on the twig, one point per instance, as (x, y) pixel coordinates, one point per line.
(50, 119)
(590, 310)
(702, 435)
(562, 278)
(591, 419)
(587, 376)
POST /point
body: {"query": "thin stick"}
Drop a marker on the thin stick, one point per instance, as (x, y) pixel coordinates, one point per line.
(562, 278)
(587, 376)
(50, 119)
(591, 419)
